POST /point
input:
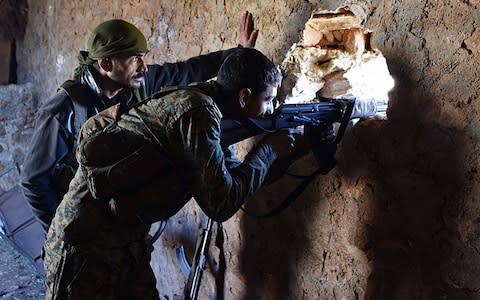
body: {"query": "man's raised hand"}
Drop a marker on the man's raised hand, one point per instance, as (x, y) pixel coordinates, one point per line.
(247, 34)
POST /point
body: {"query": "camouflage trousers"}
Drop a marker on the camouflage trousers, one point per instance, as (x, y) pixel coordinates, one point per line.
(115, 273)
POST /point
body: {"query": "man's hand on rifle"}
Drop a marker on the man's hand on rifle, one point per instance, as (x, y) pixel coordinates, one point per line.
(282, 141)
(297, 142)
(323, 146)
(328, 135)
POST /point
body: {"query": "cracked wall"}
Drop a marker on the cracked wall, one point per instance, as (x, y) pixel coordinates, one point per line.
(396, 219)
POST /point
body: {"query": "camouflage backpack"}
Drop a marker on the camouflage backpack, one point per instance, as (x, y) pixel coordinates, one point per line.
(126, 169)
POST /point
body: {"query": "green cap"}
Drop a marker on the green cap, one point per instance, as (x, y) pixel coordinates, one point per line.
(115, 37)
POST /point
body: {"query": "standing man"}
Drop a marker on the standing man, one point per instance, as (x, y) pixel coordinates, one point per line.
(112, 71)
(96, 248)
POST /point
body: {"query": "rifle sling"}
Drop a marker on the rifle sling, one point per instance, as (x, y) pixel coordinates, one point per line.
(293, 194)
(323, 170)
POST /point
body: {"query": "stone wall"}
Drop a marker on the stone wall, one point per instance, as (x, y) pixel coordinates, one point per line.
(16, 126)
(397, 218)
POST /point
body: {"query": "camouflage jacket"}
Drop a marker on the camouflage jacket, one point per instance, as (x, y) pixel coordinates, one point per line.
(185, 124)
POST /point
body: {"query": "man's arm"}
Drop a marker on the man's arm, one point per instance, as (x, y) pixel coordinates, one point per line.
(196, 69)
(200, 68)
(219, 191)
(48, 147)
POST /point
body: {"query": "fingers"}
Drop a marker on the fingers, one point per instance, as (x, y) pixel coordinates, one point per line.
(249, 22)
(282, 141)
(241, 26)
(328, 135)
(292, 143)
(253, 39)
(289, 138)
(246, 22)
(247, 35)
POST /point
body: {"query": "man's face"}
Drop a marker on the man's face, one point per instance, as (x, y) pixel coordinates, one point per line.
(128, 70)
(261, 104)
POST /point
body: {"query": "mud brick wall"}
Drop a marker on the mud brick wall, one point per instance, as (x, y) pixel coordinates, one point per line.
(396, 219)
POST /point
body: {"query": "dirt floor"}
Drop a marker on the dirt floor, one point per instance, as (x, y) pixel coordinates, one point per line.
(19, 279)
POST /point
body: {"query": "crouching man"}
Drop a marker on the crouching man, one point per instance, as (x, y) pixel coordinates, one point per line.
(144, 166)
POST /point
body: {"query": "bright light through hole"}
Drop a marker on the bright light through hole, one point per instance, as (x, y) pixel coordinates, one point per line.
(370, 80)
(337, 59)
(365, 78)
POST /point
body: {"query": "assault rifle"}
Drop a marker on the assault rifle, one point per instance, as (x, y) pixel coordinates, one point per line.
(317, 114)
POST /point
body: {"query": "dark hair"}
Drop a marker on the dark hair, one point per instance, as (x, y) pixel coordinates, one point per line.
(247, 68)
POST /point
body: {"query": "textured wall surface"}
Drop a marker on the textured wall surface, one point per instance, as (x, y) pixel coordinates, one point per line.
(13, 19)
(16, 124)
(397, 218)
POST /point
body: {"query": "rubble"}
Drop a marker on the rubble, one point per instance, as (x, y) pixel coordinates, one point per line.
(19, 279)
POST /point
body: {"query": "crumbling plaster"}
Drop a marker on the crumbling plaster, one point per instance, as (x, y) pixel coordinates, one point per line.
(396, 219)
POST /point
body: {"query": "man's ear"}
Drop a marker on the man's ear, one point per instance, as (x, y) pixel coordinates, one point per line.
(243, 95)
(105, 64)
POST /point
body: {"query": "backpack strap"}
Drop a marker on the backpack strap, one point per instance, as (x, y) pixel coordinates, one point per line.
(79, 94)
(162, 93)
